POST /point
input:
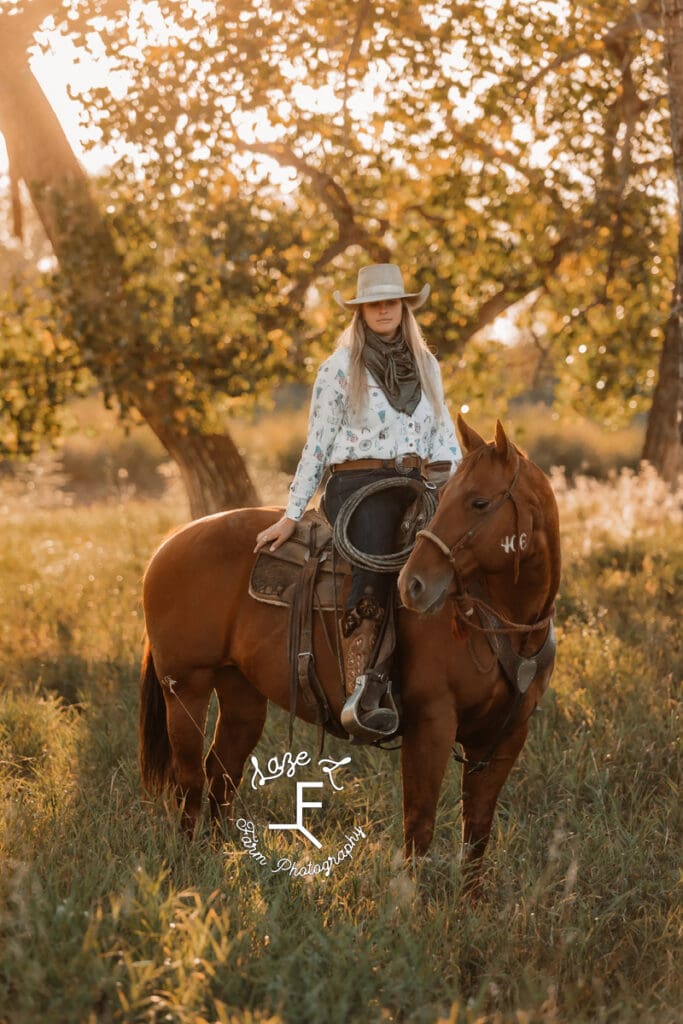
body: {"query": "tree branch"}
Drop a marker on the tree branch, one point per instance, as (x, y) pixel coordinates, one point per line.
(15, 199)
(18, 29)
(349, 235)
(501, 157)
(363, 8)
(328, 190)
(431, 218)
(639, 19)
(297, 293)
(520, 285)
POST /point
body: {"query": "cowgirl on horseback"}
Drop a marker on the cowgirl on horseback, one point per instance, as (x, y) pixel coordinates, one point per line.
(377, 412)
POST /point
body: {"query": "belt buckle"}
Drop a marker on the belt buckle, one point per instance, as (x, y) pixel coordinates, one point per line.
(399, 463)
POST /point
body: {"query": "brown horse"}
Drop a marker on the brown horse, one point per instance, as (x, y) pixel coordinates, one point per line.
(496, 524)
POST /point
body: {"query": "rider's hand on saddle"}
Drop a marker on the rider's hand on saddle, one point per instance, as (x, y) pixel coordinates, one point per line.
(276, 534)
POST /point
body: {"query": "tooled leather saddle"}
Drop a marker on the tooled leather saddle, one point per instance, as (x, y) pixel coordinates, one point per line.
(276, 574)
(306, 575)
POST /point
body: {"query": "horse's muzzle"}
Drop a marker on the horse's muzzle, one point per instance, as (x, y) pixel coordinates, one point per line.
(421, 595)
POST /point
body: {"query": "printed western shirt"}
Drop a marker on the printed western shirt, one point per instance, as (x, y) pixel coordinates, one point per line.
(337, 434)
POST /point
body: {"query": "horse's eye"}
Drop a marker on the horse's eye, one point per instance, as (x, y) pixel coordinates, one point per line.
(480, 504)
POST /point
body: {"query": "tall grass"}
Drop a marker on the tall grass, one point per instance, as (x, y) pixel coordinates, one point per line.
(106, 914)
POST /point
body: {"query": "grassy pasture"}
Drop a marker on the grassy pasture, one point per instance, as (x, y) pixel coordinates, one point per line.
(107, 915)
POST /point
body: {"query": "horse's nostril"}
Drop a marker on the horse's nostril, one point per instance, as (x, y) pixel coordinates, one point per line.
(415, 587)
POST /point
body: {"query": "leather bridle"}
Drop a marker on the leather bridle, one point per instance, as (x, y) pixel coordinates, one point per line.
(518, 669)
(462, 542)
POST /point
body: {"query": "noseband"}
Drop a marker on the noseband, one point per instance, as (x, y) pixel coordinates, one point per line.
(463, 541)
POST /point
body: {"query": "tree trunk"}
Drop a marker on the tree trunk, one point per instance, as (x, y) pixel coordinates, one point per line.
(212, 469)
(211, 466)
(664, 437)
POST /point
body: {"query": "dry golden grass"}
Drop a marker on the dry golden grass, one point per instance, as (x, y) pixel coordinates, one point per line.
(106, 915)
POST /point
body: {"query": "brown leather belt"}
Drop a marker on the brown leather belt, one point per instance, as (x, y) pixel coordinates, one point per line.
(402, 464)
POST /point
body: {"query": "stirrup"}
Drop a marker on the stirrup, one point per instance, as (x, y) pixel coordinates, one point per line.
(370, 713)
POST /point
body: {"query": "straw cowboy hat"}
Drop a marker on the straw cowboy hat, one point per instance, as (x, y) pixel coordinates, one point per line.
(382, 281)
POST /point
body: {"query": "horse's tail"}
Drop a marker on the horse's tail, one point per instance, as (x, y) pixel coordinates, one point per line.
(155, 748)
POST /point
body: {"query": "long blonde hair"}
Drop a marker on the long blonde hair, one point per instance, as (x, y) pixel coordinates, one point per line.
(353, 338)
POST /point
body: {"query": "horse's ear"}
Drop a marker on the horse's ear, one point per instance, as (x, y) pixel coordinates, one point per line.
(503, 445)
(470, 438)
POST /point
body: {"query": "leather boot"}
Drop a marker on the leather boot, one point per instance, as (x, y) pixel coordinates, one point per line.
(357, 648)
(369, 712)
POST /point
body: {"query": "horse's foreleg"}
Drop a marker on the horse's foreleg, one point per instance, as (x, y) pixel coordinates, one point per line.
(480, 792)
(238, 729)
(427, 743)
(187, 703)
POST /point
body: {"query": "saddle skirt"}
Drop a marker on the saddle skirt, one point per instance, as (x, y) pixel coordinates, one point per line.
(276, 574)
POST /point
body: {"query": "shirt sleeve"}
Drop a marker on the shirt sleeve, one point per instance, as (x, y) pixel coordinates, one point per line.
(328, 403)
(444, 445)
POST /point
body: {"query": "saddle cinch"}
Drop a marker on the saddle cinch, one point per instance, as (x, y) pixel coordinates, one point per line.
(307, 575)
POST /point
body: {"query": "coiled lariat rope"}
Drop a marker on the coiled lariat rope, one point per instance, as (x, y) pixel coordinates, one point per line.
(394, 561)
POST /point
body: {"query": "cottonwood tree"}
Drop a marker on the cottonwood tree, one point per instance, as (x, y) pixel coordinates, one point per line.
(515, 153)
(105, 315)
(519, 150)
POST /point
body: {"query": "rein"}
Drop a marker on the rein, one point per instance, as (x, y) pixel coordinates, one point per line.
(507, 626)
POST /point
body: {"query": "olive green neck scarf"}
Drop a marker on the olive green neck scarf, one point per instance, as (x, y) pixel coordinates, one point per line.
(392, 365)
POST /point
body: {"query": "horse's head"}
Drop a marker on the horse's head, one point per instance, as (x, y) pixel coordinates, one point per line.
(494, 515)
